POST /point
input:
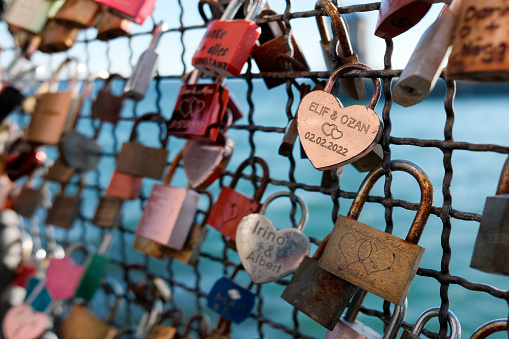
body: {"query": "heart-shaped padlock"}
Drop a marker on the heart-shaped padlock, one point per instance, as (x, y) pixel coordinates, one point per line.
(333, 136)
(269, 254)
(22, 321)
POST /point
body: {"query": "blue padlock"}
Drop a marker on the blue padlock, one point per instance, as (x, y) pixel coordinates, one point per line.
(37, 295)
(231, 300)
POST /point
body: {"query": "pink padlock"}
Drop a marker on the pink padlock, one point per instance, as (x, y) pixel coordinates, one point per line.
(169, 212)
(124, 186)
(134, 10)
(62, 277)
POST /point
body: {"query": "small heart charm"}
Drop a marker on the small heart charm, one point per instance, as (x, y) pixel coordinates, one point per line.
(333, 136)
(266, 253)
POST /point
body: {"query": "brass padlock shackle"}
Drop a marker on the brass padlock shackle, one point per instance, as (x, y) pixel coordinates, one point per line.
(338, 27)
(74, 78)
(420, 219)
(265, 179)
(503, 184)
(206, 215)
(173, 167)
(195, 318)
(150, 117)
(348, 67)
(489, 328)
(434, 312)
(305, 214)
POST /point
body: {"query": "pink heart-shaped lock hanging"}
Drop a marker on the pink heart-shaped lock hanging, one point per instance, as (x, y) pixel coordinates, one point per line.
(22, 322)
(333, 136)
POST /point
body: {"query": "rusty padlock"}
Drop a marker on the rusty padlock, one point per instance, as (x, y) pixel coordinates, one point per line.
(161, 331)
(108, 211)
(231, 206)
(169, 213)
(227, 44)
(29, 198)
(353, 87)
(490, 250)
(65, 208)
(398, 16)
(52, 109)
(143, 161)
(367, 254)
(271, 45)
(60, 172)
(125, 186)
(78, 13)
(107, 107)
(112, 26)
(202, 331)
(425, 317)
(494, 326)
(57, 37)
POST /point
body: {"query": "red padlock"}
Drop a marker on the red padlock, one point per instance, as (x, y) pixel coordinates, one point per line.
(134, 10)
(228, 43)
(199, 110)
(124, 186)
(398, 16)
(232, 206)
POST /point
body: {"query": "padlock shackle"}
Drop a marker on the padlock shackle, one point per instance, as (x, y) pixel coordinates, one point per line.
(265, 179)
(434, 312)
(338, 27)
(150, 117)
(86, 247)
(321, 248)
(345, 68)
(168, 315)
(489, 328)
(149, 320)
(209, 209)
(223, 326)
(426, 203)
(195, 318)
(233, 7)
(173, 168)
(60, 67)
(215, 9)
(113, 286)
(108, 81)
(305, 214)
(157, 33)
(397, 320)
(503, 183)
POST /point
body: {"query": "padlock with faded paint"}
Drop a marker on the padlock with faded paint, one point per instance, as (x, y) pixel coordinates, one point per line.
(363, 255)
(108, 211)
(491, 327)
(339, 47)
(333, 136)
(78, 13)
(137, 85)
(228, 43)
(271, 54)
(222, 329)
(107, 107)
(231, 206)
(112, 26)
(29, 198)
(269, 254)
(317, 293)
(134, 10)
(124, 186)
(425, 317)
(190, 253)
(65, 208)
(52, 109)
(199, 110)
(143, 161)
(169, 213)
(231, 300)
(202, 330)
(81, 323)
(398, 16)
(57, 37)
(161, 331)
(29, 15)
(490, 249)
(348, 327)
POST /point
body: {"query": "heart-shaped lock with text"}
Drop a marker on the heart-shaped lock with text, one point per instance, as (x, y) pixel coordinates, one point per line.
(269, 254)
(332, 135)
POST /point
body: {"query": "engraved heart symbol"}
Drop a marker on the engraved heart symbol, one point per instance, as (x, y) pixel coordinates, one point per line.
(266, 253)
(191, 106)
(372, 256)
(231, 211)
(22, 322)
(333, 136)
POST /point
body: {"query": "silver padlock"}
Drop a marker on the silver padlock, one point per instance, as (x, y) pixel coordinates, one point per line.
(286, 147)
(137, 85)
(425, 317)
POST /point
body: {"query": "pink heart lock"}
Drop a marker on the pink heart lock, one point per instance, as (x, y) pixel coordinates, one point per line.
(62, 277)
(22, 322)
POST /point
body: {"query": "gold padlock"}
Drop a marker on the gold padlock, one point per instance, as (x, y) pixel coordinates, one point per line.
(57, 37)
(78, 13)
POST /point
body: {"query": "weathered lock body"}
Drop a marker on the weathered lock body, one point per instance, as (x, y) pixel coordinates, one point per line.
(205, 162)
(490, 249)
(231, 206)
(57, 37)
(29, 198)
(143, 161)
(398, 16)
(49, 117)
(65, 208)
(340, 47)
(271, 54)
(424, 66)
(137, 85)
(332, 135)
(161, 331)
(317, 293)
(78, 13)
(222, 329)
(59, 172)
(491, 327)
(134, 10)
(370, 160)
(108, 212)
(30, 15)
(204, 327)
(190, 253)
(348, 327)
(169, 213)
(125, 186)
(107, 107)
(363, 255)
(425, 317)
(112, 26)
(79, 152)
(286, 147)
(199, 110)
(479, 43)
(228, 43)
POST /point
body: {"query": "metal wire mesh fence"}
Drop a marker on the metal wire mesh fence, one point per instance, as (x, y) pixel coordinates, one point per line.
(259, 134)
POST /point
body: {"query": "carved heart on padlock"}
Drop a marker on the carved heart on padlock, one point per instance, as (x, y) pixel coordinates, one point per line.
(22, 321)
(191, 106)
(372, 257)
(333, 136)
(269, 254)
(231, 212)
